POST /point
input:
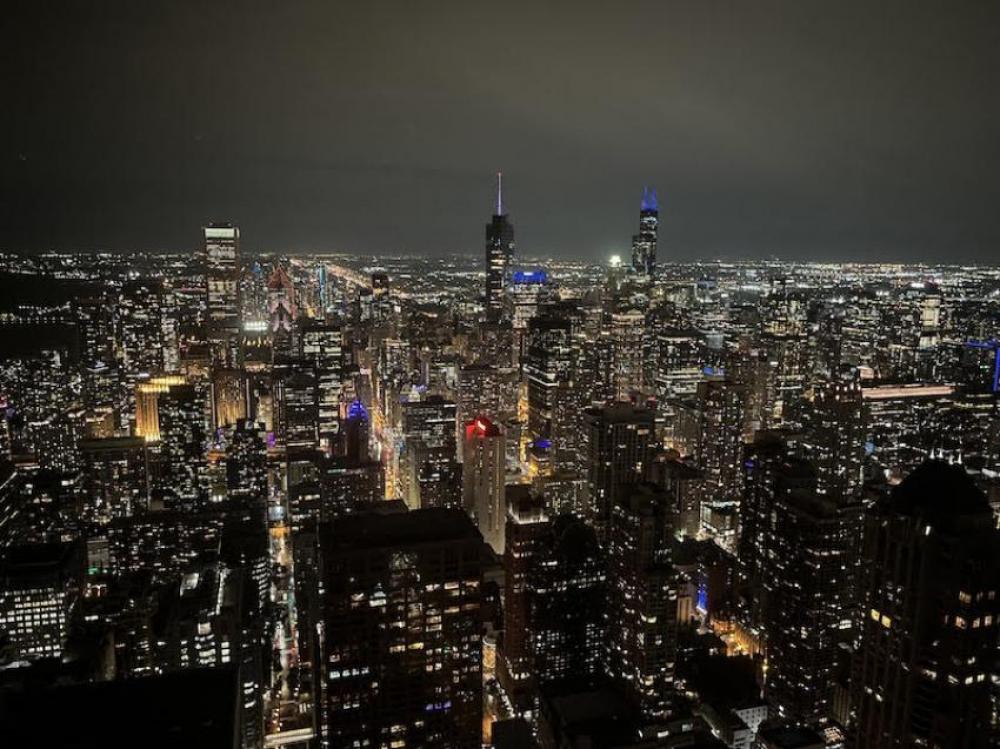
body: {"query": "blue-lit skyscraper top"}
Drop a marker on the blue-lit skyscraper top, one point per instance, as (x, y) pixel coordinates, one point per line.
(644, 243)
(356, 411)
(649, 202)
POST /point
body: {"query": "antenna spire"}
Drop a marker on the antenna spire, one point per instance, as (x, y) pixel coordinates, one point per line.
(499, 193)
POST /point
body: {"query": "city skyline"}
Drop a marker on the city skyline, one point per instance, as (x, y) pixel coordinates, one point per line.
(558, 375)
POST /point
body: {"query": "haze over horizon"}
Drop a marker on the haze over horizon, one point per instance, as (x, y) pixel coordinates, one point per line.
(806, 131)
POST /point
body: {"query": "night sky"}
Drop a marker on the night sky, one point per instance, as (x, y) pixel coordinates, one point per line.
(805, 130)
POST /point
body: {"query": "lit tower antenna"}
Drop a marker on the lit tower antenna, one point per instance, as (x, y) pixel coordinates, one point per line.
(499, 254)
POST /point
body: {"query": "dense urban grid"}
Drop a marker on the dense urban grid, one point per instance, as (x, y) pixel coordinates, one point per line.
(258, 500)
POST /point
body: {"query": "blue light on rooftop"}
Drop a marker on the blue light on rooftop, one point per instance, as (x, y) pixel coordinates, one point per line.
(530, 277)
(357, 411)
(993, 345)
(649, 201)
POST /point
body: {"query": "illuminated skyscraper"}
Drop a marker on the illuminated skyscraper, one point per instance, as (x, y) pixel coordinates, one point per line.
(835, 437)
(222, 290)
(499, 255)
(644, 243)
(622, 447)
(381, 311)
(431, 474)
(246, 465)
(116, 471)
(483, 470)
(529, 291)
(642, 615)
(710, 427)
(229, 396)
(322, 345)
(283, 311)
(568, 600)
(39, 586)
(296, 404)
(805, 591)
(525, 534)
(180, 451)
(357, 433)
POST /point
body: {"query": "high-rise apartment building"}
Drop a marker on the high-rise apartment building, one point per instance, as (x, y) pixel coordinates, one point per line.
(402, 617)
(642, 591)
(322, 345)
(930, 608)
(806, 590)
(431, 475)
(622, 444)
(525, 535)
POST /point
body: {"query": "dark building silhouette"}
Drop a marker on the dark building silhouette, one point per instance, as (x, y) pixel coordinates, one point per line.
(197, 708)
(930, 570)
(402, 621)
(568, 599)
(555, 599)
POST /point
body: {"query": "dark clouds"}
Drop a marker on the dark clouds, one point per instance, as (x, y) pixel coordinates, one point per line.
(800, 129)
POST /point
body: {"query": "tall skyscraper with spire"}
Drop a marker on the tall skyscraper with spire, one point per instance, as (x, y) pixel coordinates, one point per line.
(644, 243)
(499, 255)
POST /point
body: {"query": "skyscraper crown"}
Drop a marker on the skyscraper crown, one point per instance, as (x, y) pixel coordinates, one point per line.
(649, 202)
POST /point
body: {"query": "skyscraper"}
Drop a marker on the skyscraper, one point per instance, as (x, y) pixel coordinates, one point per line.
(430, 472)
(930, 567)
(402, 621)
(568, 597)
(222, 290)
(322, 345)
(622, 447)
(644, 243)
(499, 255)
(283, 311)
(483, 471)
(806, 590)
(39, 586)
(835, 437)
(642, 615)
(525, 533)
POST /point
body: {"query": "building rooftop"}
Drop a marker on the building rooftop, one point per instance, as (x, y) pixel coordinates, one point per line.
(790, 737)
(368, 530)
(31, 561)
(939, 489)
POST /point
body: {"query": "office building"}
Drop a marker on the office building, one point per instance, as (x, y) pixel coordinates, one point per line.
(402, 619)
(929, 614)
